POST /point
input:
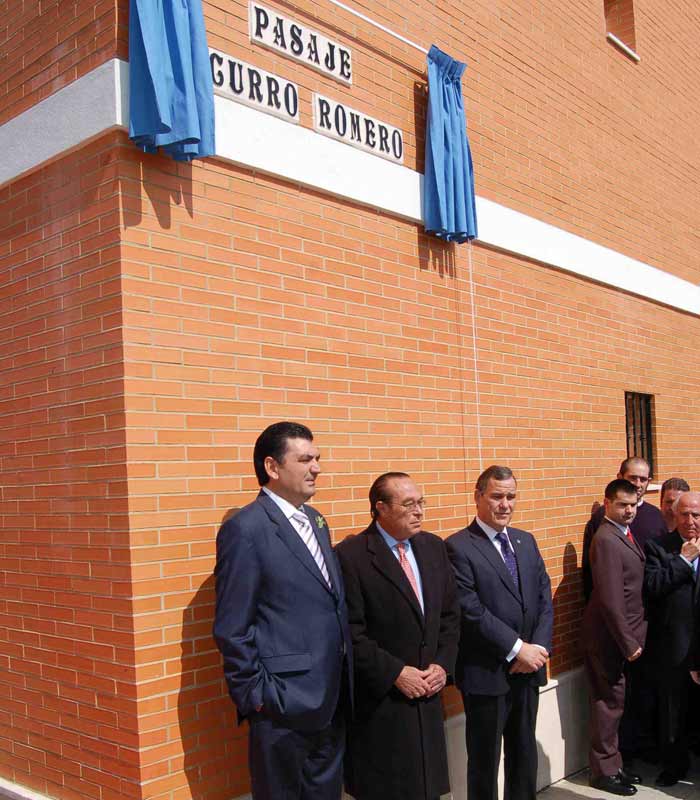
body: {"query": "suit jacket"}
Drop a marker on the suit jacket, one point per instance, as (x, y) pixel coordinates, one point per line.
(493, 613)
(614, 624)
(648, 524)
(389, 631)
(671, 593)
(282, 631)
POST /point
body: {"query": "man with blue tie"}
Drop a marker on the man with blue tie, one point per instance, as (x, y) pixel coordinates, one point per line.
(281, 624)
(506, 636)
(671, 592)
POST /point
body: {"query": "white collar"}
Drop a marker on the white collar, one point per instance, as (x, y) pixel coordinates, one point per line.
(621, 528)
(284, 505)
(492, 533)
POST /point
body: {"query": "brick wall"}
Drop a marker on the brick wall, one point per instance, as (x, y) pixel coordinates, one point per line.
(45, 46)
(67, 691)
(286, 304)
(157, 316)
(563, 126)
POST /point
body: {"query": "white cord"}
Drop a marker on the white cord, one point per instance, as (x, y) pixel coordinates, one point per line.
(476, 360)
(378, 25)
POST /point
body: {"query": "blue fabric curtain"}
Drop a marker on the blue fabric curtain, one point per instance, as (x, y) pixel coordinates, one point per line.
(171, 96)
(449, 210)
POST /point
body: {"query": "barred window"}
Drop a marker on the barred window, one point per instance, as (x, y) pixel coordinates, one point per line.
(619, 24)
(639, 417)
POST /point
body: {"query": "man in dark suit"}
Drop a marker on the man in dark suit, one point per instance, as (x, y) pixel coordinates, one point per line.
(671, 589)
(637, 730)
(648, 522)
(281, 624)
(614, 630)
(506, 635)
(404, 620)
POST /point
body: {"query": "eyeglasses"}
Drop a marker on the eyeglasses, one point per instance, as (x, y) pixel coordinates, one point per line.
(412, 505)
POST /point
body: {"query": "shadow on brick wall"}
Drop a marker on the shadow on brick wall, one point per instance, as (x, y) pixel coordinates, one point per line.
(214, 744)
(166, 183)
(568, 611)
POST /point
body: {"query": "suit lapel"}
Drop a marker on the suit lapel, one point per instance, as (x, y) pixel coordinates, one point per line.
(430, 585)
(387, 563)
(633, 546)
(292, 540)
(486, 548)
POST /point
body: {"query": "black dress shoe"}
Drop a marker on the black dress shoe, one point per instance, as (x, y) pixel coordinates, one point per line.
(613, 784)
(628, 777)
(668, 778)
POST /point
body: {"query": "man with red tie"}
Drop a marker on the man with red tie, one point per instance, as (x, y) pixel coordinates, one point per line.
(614, 633)
(404, 621)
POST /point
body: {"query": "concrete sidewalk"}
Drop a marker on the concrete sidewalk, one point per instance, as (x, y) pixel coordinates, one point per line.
(576, 787)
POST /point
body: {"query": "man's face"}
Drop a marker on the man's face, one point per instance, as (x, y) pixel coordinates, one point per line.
(622, 508)
(688, 515)
(638, 474)
(669, 498)
(401, 515)
(496, 504)
(294, 477)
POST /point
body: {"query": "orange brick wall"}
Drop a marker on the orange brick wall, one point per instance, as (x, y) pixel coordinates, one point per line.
(45, 46)
(67, 690)
(157, 316)
(253, 300)
(563, 126)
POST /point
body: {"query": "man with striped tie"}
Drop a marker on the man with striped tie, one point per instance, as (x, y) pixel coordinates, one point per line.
(405, 624)
(281, 624)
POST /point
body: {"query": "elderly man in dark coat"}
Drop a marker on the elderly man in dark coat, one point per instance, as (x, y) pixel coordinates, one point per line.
(404, 620)
(672, 594)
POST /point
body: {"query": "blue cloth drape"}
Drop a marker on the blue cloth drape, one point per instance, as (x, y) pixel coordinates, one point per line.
(449, 210)
(171, 95)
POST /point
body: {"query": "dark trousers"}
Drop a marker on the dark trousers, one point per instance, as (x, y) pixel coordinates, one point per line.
(295, 765)
(674, 691)
(639, 724)
(509, 718)
(607, 702)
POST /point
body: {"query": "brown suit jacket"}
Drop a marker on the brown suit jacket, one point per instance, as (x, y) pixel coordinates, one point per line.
(614, 624)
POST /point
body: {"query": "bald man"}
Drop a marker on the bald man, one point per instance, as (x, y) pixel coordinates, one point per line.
(671, 591)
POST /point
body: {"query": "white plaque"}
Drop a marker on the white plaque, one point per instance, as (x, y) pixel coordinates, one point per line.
(297, 41)
(254, 87)
(346, 124)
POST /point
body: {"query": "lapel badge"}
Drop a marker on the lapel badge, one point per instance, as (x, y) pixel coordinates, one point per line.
(320, 522)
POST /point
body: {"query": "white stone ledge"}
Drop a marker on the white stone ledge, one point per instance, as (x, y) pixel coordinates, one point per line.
(98, 102)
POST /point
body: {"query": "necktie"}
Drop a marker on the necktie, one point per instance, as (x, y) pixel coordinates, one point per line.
(406, 567)
(309, 538)
(628, 533)
(508, 558)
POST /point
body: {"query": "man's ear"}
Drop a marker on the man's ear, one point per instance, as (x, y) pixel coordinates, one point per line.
(271, 467)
